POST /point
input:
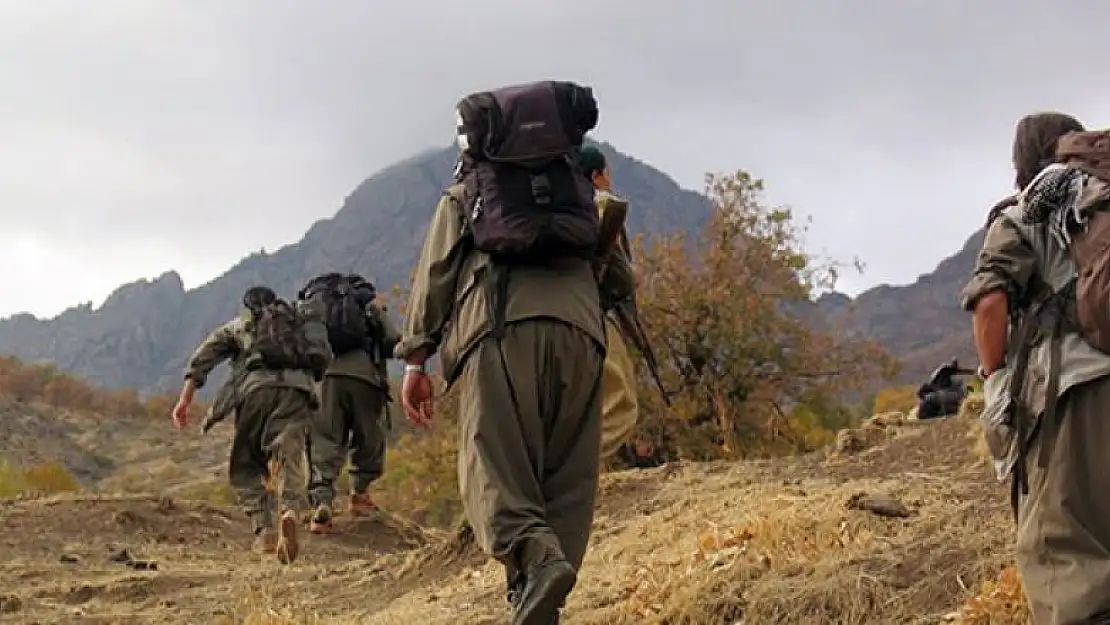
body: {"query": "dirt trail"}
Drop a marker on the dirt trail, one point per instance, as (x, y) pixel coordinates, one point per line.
(720, 543)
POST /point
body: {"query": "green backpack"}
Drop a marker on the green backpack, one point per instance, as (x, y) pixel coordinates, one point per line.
(281, 338)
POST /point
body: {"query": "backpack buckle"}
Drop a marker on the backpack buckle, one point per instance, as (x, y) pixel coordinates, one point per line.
(541, 189)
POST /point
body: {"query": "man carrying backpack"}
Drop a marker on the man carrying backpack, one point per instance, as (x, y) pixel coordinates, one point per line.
(619, 406)
(353, 395)
(277, 352)
(505, 292)
(1040, 296)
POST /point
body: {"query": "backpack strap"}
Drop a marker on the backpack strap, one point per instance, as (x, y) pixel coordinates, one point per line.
(496, 276)
(1051, 312)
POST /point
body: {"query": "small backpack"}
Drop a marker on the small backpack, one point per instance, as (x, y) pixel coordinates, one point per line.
(524, 198)
(278, 337)
(344, 300)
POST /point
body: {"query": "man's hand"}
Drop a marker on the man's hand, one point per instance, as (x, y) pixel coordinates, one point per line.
(184, 401)
(416, 397)
(181, 414)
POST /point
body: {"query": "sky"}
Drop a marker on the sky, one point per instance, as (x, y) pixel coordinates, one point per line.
(140, 136)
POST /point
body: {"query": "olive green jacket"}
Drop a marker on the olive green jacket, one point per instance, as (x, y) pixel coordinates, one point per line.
(450, 302)
(365, 366)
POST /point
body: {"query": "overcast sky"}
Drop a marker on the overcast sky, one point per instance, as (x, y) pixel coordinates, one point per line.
(138, 136)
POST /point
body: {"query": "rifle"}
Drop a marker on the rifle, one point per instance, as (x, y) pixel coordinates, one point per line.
(613, 215)
(611, 228)
(628, 321)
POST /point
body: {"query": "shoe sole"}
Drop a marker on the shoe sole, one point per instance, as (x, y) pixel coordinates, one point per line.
(287, 547)
(544, 609)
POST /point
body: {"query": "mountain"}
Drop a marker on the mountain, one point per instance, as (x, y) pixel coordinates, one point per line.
(143, 333)
(921, 322)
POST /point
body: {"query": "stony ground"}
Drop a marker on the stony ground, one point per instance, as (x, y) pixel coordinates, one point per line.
(905, 531)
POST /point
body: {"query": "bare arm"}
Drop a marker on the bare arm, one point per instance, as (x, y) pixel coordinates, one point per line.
(1001, 276)
(990, 322)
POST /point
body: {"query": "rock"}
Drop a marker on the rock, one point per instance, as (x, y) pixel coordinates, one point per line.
(69, 558)
(878, 504)
(852, 441)
(885, 419)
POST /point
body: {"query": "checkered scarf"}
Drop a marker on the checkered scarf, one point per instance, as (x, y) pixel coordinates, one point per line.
(1053, 198)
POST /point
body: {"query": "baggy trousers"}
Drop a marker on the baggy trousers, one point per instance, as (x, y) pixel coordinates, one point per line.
(271, 425)
(349, 422)
(529, 437)
(619, 406)
(1063, 537)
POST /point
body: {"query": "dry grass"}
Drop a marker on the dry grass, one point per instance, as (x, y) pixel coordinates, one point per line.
(1000, 602)
(764, 542)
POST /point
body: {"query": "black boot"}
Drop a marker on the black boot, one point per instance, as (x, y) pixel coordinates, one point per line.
(544, 593)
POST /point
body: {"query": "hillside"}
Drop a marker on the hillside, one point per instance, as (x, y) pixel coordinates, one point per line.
(142, 334)
(777, 541)
(922, 321)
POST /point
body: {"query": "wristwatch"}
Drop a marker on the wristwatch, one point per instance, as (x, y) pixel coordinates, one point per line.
(983, 375)
(411, 368)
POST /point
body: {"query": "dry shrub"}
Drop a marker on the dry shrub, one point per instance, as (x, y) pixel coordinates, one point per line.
(726, 310)
(47, 478)
(895, 399)
(1001, 601)
(421, 480)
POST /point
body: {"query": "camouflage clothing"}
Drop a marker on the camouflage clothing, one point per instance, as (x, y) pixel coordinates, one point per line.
(272, 411)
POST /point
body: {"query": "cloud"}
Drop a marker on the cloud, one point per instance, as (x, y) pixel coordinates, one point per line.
(142, 136)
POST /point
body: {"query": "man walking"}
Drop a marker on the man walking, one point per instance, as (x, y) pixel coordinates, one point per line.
(277, 352)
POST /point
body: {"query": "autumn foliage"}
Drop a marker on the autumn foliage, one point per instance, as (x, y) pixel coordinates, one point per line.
(727, 309)
(24, 382)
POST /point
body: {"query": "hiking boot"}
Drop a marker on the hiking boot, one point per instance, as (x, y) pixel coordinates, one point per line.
(544, 593)
(287, 545)
(321, 520)
(360, 504)
(265, 541)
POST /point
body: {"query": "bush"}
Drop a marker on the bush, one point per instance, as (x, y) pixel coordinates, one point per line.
(421, 479)
(754, 372)
(895, 399)
(44, 383)
(47, 478)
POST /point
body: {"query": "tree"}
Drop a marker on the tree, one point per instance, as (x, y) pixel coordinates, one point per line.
(731, 314)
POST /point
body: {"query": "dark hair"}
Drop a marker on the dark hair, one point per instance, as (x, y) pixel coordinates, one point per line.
(592, 161)
(259, 296)
(1035, 143)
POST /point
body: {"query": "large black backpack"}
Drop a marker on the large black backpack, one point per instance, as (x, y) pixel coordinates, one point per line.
(344, 300)
(524, 197)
